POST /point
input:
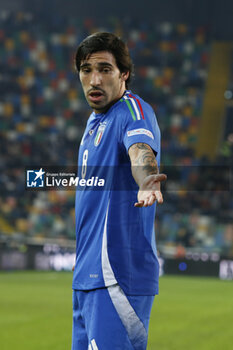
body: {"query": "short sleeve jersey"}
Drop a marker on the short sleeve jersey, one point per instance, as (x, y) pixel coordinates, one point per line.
(115, 241)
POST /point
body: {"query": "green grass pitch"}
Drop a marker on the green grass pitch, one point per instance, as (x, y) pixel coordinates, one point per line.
(190, 313)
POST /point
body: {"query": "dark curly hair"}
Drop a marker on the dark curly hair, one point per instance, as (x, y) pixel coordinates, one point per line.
(103, 41)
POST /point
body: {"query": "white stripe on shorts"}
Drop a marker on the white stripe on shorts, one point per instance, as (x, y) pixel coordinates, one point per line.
(133, 325)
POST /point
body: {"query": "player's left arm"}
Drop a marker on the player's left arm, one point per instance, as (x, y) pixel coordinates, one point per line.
(146, 174)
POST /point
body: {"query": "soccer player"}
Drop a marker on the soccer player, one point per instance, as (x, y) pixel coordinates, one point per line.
(116, 270)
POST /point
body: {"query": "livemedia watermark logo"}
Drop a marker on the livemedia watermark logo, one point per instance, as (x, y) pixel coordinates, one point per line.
(119, 178)
(35, 178)
(57, 178)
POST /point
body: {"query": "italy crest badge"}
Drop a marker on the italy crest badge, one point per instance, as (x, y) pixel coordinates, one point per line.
(99, 133)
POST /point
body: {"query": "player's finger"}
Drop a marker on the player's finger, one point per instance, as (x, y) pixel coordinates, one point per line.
(152, 199)
(139, 204)
(147, 202)
(161, 177)
(159, 197)
(156, 196)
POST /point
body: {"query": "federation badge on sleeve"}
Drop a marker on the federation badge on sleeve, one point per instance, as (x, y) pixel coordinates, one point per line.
(99, 133)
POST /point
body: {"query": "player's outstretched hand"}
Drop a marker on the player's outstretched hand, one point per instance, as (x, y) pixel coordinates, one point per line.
(149, 191)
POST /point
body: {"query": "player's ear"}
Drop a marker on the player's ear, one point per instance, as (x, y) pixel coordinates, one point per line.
(124, 76)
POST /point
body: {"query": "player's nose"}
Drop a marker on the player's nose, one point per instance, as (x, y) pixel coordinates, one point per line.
(95, 79)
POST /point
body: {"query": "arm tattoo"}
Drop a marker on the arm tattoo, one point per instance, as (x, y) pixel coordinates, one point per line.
(145, 159)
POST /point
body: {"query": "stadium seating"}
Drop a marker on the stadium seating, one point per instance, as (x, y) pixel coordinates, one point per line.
(43, 114)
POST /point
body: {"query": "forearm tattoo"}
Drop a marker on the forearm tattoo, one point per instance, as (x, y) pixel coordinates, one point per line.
(145, 161)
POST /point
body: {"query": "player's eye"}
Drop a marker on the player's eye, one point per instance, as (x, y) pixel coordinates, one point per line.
(85, 70)
(106, 70)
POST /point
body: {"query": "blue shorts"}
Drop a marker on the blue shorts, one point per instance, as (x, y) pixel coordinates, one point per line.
(107, 319)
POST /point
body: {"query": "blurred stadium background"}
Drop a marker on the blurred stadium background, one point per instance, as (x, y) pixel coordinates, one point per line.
(183, 56)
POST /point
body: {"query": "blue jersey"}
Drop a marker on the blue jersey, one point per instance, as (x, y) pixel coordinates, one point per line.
(115, 241)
